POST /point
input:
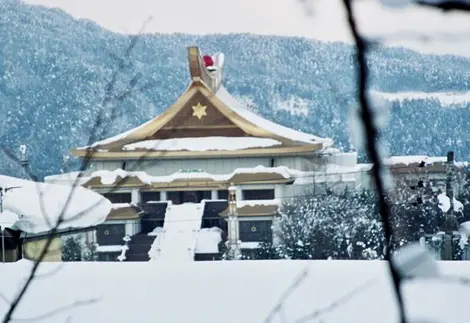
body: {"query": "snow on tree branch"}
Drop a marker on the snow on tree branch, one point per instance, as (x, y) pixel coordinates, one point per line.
(337, 226)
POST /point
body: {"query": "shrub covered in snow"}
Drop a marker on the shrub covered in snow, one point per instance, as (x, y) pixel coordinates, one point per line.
(72, 249)
(340, 226)
(413, 209)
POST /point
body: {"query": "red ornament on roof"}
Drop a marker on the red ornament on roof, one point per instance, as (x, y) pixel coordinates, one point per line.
(208, 61)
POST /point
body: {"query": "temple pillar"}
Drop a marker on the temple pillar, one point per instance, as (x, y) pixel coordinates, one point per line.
(135, 196)
(233, 233)
(214, 195)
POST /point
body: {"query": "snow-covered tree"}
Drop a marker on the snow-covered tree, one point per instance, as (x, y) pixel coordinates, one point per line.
(90, 253)
(414, 208)
(340, 226)
(266, 250)
(72, 249)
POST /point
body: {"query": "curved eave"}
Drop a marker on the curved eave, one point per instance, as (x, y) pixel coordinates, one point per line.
(136, 154)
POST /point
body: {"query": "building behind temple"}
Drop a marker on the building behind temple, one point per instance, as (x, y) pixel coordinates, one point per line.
(205, 171)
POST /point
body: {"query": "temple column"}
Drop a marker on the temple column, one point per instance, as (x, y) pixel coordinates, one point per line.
(214, 195)
(135, 196)
(163, 196)
(233, 227)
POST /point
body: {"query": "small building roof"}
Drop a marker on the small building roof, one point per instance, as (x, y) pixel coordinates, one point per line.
(205, 120)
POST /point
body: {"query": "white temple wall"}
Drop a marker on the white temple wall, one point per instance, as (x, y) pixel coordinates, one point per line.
(214, 165)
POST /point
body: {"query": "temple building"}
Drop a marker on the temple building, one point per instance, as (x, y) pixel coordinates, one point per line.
(205, 172)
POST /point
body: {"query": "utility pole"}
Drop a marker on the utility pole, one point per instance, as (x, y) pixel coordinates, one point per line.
(3, 191)
(449, 220)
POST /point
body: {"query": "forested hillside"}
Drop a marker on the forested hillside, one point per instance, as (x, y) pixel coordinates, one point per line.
(54, 69)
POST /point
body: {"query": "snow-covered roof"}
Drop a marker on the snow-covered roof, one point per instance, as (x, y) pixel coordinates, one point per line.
(330, 291)
(407, 160)
(278, 129)
(110, 177)
(204, 143)
(256, 131)
(35, 207)
(328, 173)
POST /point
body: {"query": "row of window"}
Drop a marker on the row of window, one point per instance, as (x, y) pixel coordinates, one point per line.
(250, 231)
(178, 197)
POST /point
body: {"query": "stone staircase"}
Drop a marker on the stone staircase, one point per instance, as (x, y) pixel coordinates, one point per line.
(139, 247)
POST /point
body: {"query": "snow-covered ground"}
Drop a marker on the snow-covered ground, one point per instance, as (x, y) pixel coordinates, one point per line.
(35, 207)
(446, 98)
(237, 291)
(177, 241)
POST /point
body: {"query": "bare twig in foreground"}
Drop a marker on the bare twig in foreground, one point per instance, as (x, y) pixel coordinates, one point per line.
(343, 299)
(292, 287)
(371, 134)
(94, 132)
(56, 311)
(451, 5)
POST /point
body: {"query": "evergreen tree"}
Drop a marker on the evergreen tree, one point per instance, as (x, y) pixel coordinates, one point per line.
(72, 249)
(90, 253)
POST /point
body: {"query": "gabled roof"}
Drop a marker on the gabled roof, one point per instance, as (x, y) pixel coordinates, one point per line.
(205, 120)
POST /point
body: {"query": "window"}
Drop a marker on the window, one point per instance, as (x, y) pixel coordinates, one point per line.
(110, 234)
(118, 197)
(149, 196)
(258, 194)
(222, 195)
(255, 231)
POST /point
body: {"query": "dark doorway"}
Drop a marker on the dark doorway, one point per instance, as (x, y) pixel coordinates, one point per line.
(179, 197)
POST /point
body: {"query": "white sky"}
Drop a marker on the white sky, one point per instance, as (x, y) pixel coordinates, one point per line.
(277, 17)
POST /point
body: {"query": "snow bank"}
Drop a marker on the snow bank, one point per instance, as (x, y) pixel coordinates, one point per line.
(38, 206)
(208, 240)
(362, 290)
(204, 144)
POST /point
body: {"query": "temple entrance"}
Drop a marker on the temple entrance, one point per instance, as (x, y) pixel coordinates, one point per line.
(180, 197)
(190, 197)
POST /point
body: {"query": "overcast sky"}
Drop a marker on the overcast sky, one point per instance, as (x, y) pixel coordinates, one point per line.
(277, 17)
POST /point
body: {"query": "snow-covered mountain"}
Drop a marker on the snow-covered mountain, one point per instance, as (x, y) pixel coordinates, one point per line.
(54, 69)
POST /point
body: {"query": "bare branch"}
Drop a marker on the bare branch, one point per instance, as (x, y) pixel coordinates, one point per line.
(98, 123)
(278, 307)
(450, 5)
(371, 134)
(56, 311)
(343, 299)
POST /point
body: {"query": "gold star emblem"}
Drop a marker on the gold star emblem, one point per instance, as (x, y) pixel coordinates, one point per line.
(199, 110)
